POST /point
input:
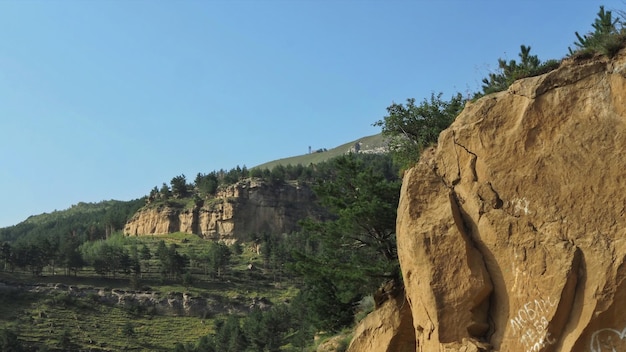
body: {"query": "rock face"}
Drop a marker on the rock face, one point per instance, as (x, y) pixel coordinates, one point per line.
(171, 303)
(512, 232)
(388, 329)
(237, 212)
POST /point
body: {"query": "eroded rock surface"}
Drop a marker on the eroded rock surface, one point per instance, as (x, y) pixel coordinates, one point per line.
(151, 302)
(512, 232)
(244, 209)
(388, 329)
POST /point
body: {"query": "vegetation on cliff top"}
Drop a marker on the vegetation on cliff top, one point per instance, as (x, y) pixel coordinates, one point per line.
(607, 38)
(410, 128)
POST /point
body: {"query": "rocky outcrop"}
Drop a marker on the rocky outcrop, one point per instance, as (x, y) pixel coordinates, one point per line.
(237, 212)
(512, 232)
(153, 302)
(388, 329)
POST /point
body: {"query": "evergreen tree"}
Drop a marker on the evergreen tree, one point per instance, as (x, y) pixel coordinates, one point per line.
(410, 128)
(607, 38)
(206, 185)
(6, 255)
(179, 186)
(145, 252)
(217, 258)
(267, 330)
(325, 307)
(154, 193)
(171, 262)
(509, 72)
(69, 254)
(356, 246)
(229, 337)
(32, 254)
(165, 191)
(206, 344)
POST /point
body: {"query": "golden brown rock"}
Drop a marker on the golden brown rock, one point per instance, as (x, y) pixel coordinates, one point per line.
(388, 329)
(247, 208)
(512, 232)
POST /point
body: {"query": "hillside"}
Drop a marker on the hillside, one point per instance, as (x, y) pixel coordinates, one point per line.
(90, 219)
(369, 144)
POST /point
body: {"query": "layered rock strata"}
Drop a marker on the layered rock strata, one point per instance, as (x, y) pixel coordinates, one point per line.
(250, 207)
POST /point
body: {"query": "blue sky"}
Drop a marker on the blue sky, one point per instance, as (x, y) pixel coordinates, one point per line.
(106, 99)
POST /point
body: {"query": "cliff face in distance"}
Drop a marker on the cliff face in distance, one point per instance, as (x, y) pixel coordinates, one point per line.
(512, 232)
(237, 212)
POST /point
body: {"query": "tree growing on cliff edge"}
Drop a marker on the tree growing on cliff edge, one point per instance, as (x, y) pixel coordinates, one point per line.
(607, 38)
(410, 128)
(180, 188)
(510, 71)
(165, 191)
(206, 185)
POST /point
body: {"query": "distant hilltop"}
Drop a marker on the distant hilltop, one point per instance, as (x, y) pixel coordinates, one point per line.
(374, 144)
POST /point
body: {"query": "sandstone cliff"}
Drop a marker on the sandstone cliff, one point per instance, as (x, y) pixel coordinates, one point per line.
(237, 212)
(512, 232)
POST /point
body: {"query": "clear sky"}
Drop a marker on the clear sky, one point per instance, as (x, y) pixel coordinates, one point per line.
(106, 99)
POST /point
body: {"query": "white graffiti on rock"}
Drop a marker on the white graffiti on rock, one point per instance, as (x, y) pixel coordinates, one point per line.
(531, 325)
(608, 340)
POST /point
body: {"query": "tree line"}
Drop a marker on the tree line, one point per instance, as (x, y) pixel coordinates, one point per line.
(87, 221)
(116, 255)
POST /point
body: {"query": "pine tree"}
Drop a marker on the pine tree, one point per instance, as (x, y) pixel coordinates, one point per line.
(607, 37)
(411, 127)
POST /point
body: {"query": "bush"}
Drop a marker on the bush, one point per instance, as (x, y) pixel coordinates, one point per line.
(61, 298)
(129, 329)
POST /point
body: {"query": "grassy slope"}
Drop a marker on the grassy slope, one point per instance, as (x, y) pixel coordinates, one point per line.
(46, 319)
(370, 142)
(43, 319)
